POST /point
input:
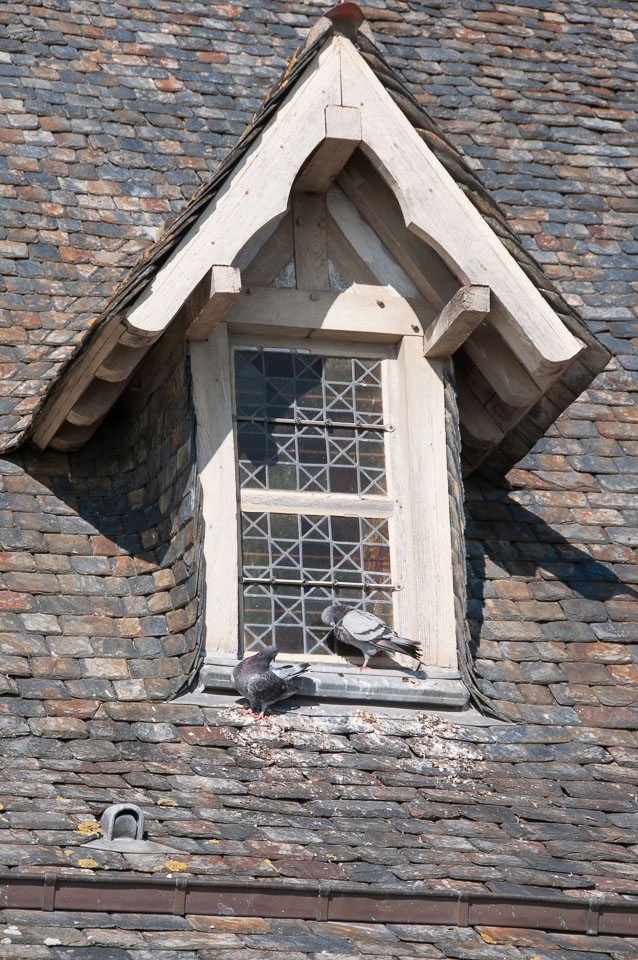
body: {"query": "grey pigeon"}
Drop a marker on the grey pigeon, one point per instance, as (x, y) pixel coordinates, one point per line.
(261, 686)
(367, 632)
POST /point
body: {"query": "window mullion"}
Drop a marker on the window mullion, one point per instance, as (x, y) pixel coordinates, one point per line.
(218, 475)
(399, 522)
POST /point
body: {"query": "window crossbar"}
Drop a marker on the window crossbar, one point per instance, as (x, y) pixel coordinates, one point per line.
(327, 423)
(353, 585)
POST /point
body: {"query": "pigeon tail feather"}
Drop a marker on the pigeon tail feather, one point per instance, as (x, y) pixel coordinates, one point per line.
(289, 670)
(399, 645)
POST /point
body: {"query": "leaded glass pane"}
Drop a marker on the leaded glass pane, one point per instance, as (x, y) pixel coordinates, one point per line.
(279, 395)
(329, 554)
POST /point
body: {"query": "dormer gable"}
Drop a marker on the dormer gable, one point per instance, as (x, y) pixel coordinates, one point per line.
(341, 127)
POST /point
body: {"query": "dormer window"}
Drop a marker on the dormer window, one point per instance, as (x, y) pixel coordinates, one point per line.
(343, 230)
(312, 467)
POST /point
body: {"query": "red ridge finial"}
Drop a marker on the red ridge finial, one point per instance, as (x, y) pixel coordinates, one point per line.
(345, 10)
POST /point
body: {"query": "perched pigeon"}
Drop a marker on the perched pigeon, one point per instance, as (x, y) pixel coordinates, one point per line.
(261, 686)
(365, 631)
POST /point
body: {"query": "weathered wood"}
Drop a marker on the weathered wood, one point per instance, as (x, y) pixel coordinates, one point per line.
(343, 135)
(345, 257)
(476, 424)
(135, 338)
(379, 207)
(255, 195)
(432, 205)
(330, 504)
(362, 312)
(70, 438)
(120, 363)
(309, 219)
(456, 321)
(399, 523)
(507, 376)
(424, 474)
(324, 345)
(436, 209)
(225, 284)
(95, 402)
(275, 254)
(216, 460)
(367, 244)
(78, 379)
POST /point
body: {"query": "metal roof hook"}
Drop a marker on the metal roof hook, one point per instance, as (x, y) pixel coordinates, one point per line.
(122, 826)
(122, 821)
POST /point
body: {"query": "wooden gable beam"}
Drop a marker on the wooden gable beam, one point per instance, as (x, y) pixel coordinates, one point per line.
(343, 136)
(256, 194)
(224, 286)
(368, 313)
(435, 208)
(477, 425)
(367, 244)
(500, 366)
(309, 218)
(456, 321)
(362, 184)
(101, 345)
(272, 256)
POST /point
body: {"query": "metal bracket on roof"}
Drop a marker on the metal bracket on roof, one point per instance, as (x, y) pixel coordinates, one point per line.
(593, 917)
(122, 826)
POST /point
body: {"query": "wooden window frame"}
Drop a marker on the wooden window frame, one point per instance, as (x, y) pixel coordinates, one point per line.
(416, 461)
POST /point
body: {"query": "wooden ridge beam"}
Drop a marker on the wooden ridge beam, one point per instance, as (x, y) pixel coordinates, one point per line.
(456, 321)
(367, 244)
(345, 257)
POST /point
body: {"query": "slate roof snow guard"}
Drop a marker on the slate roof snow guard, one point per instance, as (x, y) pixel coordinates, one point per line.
(122, 826)
(321, 901)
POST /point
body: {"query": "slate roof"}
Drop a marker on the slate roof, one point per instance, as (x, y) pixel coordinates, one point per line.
(522, 809)
(99, 936)
(544, 803)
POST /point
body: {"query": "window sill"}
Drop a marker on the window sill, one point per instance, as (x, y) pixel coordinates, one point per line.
(434, 687)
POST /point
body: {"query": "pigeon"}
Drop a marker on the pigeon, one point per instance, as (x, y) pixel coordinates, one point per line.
(261, 686)
(367, 632)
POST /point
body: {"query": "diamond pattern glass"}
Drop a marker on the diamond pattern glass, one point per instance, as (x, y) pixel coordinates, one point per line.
(327, 552)
(301, 422)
